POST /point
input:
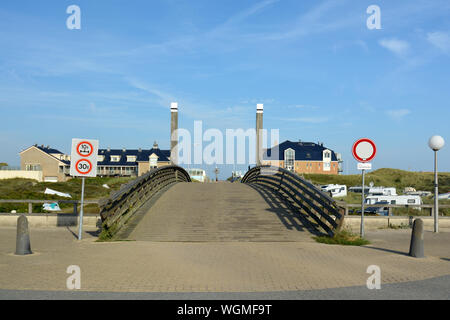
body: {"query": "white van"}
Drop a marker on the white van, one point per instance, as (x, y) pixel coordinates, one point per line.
(382, 191)
(401, 200)
(336, 190)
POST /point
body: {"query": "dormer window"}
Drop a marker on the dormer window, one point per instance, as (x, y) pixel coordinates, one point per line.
(115, 158)
(327, 155)
(100, 158)
(131, 158)
(289, 159)
(153, 160)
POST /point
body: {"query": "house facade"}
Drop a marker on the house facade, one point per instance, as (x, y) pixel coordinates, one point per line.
(304, 157)
(55, 165)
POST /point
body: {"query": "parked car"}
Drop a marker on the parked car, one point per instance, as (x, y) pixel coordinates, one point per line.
(335, 190)
(381, 211)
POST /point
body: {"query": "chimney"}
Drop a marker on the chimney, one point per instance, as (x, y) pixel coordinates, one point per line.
(173, 132)
(109, 149)
(259, 132)
(155, 145)
(124, 150)
(140, 150)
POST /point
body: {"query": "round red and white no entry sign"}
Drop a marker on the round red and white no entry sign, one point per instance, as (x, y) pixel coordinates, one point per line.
(364, 150)
(83, 166)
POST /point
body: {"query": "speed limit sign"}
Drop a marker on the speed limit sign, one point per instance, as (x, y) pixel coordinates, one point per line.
(83, 162)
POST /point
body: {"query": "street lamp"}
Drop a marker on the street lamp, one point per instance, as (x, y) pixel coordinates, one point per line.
(436, 143)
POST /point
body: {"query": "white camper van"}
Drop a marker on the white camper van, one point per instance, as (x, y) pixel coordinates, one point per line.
(401, 200)
(336, 190)
(382, 191)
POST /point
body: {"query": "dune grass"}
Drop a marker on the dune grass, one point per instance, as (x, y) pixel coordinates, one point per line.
(343, 237)
(30, 189)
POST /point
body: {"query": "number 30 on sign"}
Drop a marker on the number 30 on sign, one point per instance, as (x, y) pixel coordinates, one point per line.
(83, 162)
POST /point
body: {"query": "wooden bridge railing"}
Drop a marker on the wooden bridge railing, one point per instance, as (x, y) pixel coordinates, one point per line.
(303, 195)
(116, 210)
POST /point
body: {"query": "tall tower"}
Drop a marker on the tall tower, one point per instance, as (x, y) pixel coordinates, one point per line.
(174, 133)
(259, 132)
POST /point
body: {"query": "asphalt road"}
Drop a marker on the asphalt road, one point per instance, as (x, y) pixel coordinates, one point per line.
(431, 289)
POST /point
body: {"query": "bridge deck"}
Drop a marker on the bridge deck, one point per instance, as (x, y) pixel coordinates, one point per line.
(223, 211)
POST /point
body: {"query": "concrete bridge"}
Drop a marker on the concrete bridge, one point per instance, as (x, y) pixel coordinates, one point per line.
(271, 204)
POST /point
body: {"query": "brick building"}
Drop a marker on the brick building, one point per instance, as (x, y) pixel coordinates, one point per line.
(304, 157)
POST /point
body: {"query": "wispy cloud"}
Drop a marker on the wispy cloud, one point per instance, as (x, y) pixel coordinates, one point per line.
(243, 15)
(304, 106)
(440, 40)
(398, 47)
(306, 119)
(398, 114)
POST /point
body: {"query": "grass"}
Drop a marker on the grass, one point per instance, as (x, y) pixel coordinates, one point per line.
(30, 189)
(397, 227)
(343, 237)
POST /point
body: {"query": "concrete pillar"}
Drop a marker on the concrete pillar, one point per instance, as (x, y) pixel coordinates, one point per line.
(416, 245)
(174, 133)
(23, 246)
(259, 127)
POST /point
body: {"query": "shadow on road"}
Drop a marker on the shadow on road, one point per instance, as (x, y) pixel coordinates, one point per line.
(387, 250)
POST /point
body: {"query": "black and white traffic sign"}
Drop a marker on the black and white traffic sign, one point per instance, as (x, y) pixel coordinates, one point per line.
(83, 161)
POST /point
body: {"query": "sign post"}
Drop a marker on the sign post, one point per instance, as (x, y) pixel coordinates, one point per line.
(363, 151)
(83, 163)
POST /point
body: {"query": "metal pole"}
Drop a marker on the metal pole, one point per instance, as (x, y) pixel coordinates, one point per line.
(362, 205)
(436, 195)
(80, 223)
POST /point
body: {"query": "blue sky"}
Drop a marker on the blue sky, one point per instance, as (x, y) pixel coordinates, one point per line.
(320, 72)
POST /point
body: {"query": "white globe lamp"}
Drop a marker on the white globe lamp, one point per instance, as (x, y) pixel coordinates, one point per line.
(436, 143)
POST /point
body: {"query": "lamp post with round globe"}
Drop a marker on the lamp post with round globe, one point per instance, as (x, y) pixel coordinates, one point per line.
(436, 143)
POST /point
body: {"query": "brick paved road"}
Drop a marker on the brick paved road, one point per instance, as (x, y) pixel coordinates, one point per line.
(145, 266)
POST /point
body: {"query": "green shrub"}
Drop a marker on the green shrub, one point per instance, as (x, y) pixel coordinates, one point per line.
(343, 237)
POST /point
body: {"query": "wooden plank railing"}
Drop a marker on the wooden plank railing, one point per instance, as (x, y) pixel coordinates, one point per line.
(116, 210)
(303, 195)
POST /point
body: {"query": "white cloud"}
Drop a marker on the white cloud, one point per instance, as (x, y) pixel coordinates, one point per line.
(398, 114)
(440, 40)
(306, 119)
(398, 47)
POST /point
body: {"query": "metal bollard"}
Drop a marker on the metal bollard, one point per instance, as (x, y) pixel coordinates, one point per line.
(23, 246)
(416, 246)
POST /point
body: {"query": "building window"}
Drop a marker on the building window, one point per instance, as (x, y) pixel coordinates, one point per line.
(131, 158)
(289, 159)
(100, 158)
(153, 161)
(33, 167)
